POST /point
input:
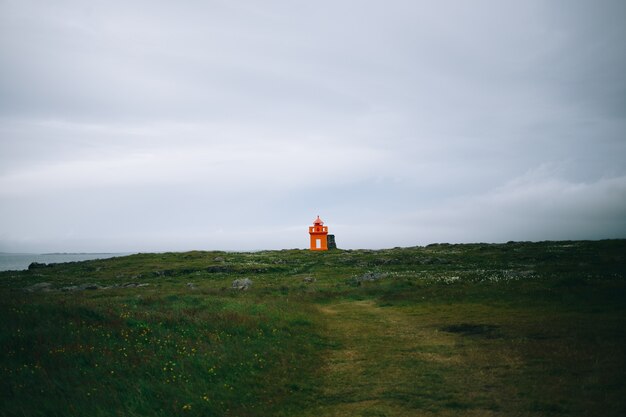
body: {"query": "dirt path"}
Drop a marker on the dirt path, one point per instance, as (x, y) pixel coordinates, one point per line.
(365, 375)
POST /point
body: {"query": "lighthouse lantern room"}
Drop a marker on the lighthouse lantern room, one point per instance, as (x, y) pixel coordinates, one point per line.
(318, 233)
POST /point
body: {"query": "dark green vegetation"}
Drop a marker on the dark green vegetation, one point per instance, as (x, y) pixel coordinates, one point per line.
(513, 329)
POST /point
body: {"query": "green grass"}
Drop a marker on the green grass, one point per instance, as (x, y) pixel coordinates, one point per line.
(513, 329)
(151, 355)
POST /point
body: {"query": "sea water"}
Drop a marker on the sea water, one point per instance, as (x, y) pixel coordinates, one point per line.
(20, 261)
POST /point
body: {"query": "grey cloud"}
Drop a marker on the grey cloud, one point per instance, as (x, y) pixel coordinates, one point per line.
(156, 117)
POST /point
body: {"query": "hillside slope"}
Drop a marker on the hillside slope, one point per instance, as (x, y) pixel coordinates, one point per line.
(479, 329)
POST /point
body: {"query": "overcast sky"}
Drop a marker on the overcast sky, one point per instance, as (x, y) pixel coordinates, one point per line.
(159, 125)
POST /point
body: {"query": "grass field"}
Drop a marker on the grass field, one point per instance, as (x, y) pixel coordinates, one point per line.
(516, 329)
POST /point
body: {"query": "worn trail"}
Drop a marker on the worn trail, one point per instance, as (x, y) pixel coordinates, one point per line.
(373, 371)
(393, 361)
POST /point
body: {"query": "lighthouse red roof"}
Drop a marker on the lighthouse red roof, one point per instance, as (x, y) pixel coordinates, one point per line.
(318, 221)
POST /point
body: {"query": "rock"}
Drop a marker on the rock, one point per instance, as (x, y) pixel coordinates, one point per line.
(46, 286)
(369, 276)
(83, 287)
(191, 285)
(37, 265)
(42, 286)
(241, 284)
(308, 279)
(130, 285)
(89, 287)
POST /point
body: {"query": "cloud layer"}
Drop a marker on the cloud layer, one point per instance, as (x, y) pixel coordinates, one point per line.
(231, 125)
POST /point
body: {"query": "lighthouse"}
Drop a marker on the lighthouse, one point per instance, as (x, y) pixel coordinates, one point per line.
(318, 233)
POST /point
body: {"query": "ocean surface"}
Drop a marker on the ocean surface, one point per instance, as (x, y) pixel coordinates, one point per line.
(20, 261)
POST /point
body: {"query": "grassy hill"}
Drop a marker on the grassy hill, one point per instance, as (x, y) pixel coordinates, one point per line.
(466, 330)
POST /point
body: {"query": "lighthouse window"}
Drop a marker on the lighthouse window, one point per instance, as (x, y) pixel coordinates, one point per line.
(318, 243)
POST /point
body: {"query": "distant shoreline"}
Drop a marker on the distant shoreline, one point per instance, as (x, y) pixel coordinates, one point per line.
(21, 261)
(81, 253)
(64, 253)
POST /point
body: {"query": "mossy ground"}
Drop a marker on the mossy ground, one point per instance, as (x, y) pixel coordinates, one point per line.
(514, 329)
